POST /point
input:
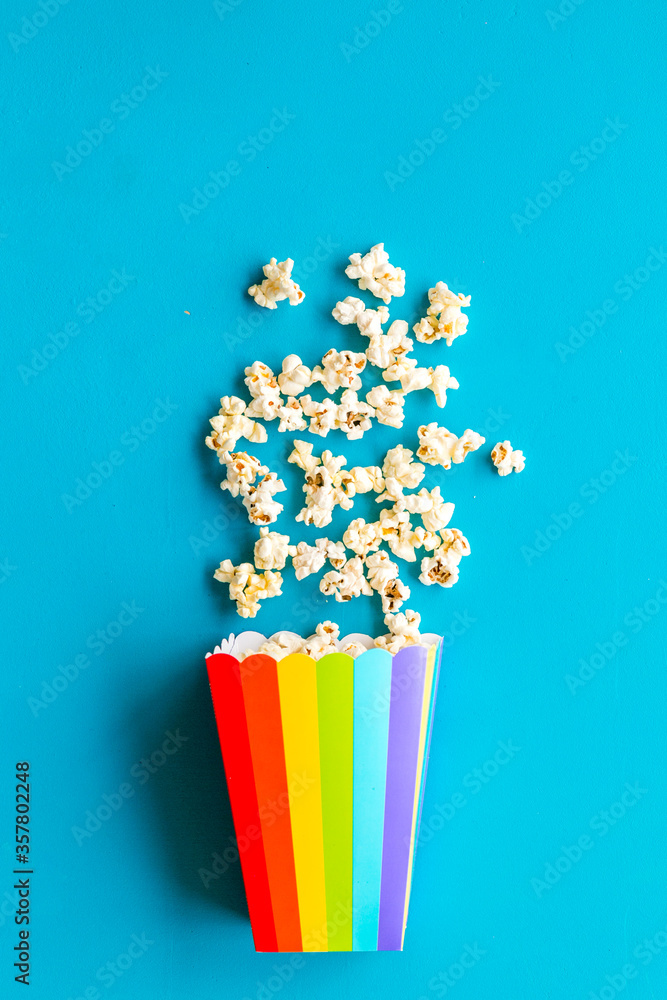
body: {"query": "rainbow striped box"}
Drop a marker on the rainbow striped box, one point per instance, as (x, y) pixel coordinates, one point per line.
(325, 763)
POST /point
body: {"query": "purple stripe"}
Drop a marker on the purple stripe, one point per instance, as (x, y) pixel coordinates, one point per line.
(407, 685)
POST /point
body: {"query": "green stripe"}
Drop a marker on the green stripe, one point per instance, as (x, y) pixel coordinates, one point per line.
(335, 700)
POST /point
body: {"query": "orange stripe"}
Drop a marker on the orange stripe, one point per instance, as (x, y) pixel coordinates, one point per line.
(261, 697)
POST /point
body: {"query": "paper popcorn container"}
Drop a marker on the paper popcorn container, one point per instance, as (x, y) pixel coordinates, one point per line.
(325, 763)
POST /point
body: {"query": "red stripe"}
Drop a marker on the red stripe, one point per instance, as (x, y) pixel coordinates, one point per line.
(259, 677)
(224, 678)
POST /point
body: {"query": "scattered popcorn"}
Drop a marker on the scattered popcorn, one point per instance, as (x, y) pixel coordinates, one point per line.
(308, 559)
(374, 273)
(347, 582)
(388, 405)
(242, 470)
(348, 311)
(438, 446)
(271, 549)
(247, 587)
(325, 640)
(383, 577)
(371, 321)
(322, 414)
(398, 465)
(259, 502)
(323, 492)
(232, 424)
(441, 381)
(291, 416)
(277, 285)
(362, 537)
(403, 631)
(295, 376)
(259, 377)
(396, 530)
(435, 513)
(340, 370)
(266, 405)
(443, 566)
(415, 379)
(353, 417)
(506, 459)
(336, 554)
(302, 455)
(444, 318)
(362, 479)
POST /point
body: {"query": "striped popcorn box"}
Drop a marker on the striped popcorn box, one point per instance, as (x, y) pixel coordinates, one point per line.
(325, 763)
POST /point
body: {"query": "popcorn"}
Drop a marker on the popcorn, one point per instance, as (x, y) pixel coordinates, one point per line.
(336, 554)
(348, 311)
(443, 566)
(383, 577)
(435, 513)
(322, 414)
(271, 549)
(353, 416)
(259, 502)
(291, 416)
(403, 631)
(388, 405)
(247, 587)
(353, 648)
(386, 349)
(307, 559)
(441, 381)
(415, 379)
(266, 405)
(325, 640)
(302, 455)
(444, 318)
(340, 369)
(259, 377)
(396, 530)
(507, 460)
(362, 537)
(323, 492)
(398, 465)
(231, 424)
(438, 446)
(242, 470)
(295, 376)
(347, 582)
(399, 369)
(277, 285)
(279, 645)
(362, 479)
(374, 273)
(371, 321)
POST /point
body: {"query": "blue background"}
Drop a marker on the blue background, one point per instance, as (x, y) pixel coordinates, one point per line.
(151, 533)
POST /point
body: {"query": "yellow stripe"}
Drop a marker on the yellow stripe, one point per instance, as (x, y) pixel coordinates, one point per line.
(297, 683)
(428, 686)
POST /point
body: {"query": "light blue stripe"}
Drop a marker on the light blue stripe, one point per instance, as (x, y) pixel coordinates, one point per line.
(372, 689)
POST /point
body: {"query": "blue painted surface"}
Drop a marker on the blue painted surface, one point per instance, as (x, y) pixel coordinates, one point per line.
(109, 379)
